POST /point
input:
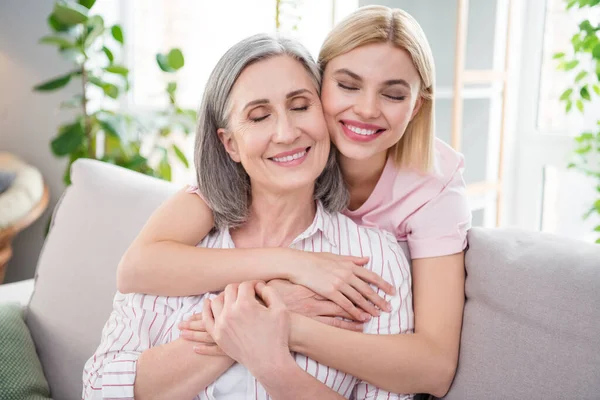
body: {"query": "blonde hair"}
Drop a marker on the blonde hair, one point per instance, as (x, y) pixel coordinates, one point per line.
(377, 24)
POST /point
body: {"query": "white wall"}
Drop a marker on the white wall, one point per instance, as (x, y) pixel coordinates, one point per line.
(29, 120)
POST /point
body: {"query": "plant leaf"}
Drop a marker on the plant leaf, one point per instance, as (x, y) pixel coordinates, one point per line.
(97, 25)
(568, 106)
(117, 69)
(56, 25)
(163, 63)
(117, 33)
(571, 64)
(70, 13)
(108, 125)
(69, 139)
(53, 84)
(579, 105)
(87, 3)
(566, 94)
(181, 156)
(596, 51)
(57, 41)
(585, 94)
(73, 54)
(176, 60)
(597, 89)
(109, 54)
(558, 56)
(164, 168)
(580, 76)
(73, 102)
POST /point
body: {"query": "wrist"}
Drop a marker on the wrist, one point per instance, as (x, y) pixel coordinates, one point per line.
(281, 264)
(274, 367)
(298, 329)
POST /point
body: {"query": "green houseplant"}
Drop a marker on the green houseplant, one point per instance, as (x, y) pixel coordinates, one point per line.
(100, 129)
(583, 60)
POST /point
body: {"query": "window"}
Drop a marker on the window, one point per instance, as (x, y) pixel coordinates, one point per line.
(560, 26)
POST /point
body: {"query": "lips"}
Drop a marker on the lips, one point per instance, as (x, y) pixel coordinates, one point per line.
(361, 132)
(291, 158)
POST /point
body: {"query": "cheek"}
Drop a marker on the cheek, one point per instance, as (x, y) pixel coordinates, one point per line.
(332, 102)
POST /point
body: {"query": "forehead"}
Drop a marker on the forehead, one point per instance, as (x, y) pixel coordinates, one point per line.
(271, 79)
(377, 61)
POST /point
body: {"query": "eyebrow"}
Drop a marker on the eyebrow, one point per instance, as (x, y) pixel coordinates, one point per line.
(389, 82)
(287, 96)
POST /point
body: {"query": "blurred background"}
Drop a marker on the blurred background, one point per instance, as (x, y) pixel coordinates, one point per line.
(517, 93)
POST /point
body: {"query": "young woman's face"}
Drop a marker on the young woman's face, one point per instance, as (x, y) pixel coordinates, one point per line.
(276, 126)
(369, 96)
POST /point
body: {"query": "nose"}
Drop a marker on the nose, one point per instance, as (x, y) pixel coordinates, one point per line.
(366, 106)
(286, 131)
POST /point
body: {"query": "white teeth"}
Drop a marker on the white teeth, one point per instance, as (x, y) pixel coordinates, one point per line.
(364, 132)
(290, 158)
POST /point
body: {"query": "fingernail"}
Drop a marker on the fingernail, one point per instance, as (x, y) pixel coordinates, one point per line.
(365, 317)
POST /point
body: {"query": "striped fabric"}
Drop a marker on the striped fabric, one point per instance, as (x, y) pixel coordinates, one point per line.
(139, 322)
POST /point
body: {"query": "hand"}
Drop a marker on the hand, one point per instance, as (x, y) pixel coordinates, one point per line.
(341, 279)
(301, 300)
(253, 334)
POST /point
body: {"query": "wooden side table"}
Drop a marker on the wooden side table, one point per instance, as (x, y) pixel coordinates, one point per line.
(8, 234)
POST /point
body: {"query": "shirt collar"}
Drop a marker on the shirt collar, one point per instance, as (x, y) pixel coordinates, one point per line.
(323, 222)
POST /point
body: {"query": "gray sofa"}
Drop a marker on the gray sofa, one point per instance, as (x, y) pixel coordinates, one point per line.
(531, 322)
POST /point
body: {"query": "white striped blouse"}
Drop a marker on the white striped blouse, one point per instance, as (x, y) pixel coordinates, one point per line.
(139, 322)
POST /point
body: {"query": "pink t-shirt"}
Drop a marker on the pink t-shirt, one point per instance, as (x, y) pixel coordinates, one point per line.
(430, 212)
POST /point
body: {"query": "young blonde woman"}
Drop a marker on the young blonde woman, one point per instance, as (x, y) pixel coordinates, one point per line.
(377, 94)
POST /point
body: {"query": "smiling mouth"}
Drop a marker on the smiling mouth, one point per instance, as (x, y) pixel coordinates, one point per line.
(362, 131)
(291, 157)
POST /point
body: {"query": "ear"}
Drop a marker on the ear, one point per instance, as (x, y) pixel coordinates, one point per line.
(418, 105)
(229, 143)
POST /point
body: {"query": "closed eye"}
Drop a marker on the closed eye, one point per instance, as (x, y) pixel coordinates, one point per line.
(300, 108)
(260, 118)
(345, 87)
(395, 97)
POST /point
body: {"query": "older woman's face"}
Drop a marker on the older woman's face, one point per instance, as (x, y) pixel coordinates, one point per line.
(276, 125)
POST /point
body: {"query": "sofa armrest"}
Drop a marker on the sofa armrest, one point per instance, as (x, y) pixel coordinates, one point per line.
(18, 292)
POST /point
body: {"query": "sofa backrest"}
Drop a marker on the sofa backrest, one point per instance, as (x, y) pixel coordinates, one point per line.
(97, 218)
(531, 327)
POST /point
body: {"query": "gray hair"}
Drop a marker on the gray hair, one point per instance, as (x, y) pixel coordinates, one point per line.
(223, 183)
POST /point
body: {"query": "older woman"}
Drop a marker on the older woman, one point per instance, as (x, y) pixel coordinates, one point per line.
(270, 177)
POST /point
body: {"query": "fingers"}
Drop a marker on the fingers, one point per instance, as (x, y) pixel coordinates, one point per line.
(269, 295)
(231, 294)
(371, 277)
(208, 350)
(216, 305)
(360, 301)
(350, 308)
(207, 316)
(200, 337)
(193, 325)
(366, 291)
(360, 261)
(246, 291)
(339, 323)
(330, 309)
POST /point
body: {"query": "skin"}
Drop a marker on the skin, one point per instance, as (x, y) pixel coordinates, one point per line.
(426, 361)
(250, 332)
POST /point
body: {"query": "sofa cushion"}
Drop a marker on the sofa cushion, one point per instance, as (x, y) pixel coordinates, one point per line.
(97, 218)
(531, 326)
(21, 375)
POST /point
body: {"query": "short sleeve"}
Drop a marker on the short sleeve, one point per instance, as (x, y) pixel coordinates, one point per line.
(195, 190)
(440, 227)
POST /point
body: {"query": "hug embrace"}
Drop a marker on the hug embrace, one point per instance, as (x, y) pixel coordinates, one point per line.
(320, 255)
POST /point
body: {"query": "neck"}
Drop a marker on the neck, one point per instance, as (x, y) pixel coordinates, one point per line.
(276, 219)
(361, 173)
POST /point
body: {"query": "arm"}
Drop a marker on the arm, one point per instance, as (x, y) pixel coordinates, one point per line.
(164, 260)
(287, 380)
(423, 362)
(124, 365)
